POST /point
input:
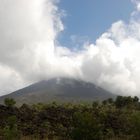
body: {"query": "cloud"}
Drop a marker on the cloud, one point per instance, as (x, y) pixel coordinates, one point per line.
(29, 50)
(28, 31)
(137, 4)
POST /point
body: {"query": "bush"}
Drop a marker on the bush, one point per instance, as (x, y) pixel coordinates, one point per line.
(86, 127)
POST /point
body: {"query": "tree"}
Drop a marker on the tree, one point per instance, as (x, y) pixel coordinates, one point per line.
(135, 125)
(86, 127)
(9, 102)
(108, 101)
(11, 131)
(136, 99)
(124, 101)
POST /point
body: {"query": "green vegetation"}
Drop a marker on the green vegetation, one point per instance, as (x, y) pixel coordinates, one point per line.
(117, 119)
(9, 102)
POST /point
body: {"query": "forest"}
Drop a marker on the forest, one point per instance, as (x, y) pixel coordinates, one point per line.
(111, 119)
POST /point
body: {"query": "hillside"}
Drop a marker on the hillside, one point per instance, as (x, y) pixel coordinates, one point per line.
(59, 89)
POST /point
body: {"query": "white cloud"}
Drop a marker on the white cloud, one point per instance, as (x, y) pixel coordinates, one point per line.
(28, 30)
(28, 51)
(137, 3)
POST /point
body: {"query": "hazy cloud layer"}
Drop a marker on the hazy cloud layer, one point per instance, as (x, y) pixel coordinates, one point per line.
(29, 52)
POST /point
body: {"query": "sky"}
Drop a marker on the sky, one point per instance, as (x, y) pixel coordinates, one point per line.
(95, 41)
(86, 20)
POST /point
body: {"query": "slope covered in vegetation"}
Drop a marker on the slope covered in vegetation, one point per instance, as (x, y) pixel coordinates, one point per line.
(117, 119)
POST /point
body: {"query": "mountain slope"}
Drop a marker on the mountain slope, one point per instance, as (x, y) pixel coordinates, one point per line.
(59, 89)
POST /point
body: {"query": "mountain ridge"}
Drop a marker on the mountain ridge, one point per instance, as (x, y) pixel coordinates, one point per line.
(59, 89)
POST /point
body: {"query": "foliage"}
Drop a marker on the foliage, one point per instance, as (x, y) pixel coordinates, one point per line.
(9, 102)
(135, 127)
(10, 131)
(86, 127)
(108, 120)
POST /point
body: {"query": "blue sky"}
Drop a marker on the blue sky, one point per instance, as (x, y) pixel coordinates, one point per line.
(86, 20)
